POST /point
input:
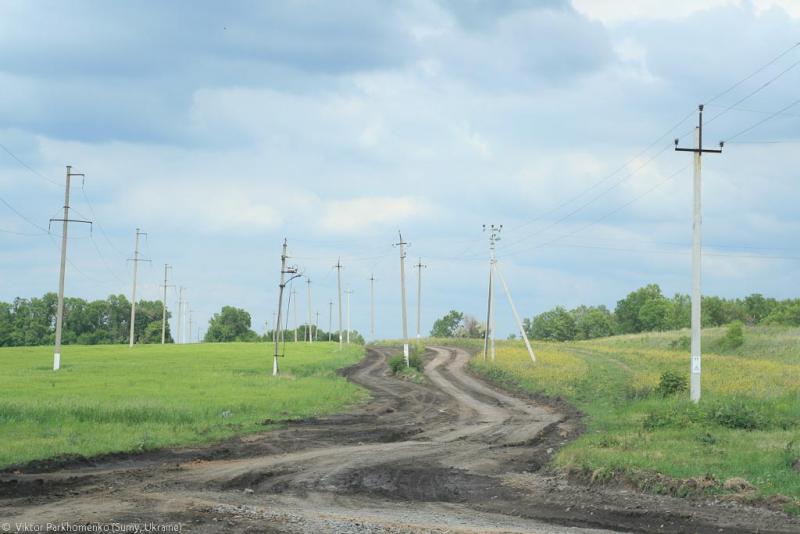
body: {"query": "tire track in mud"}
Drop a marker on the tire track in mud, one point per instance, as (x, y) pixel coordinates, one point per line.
(453, 454)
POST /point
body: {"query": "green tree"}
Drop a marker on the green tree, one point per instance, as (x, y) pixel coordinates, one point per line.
(231, 324)
(654, 315)
(556, 324)
(627, 310)
(593, 322)
(448, 325)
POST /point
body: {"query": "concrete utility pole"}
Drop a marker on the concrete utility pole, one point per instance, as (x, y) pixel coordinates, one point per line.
(488, 340)
(179, 321)
(372, 306)
(349, 292)
(419, 267)
(284, 271)
(293, 298)
(339, 285)
(697, 221)
(402, 244)
(316, 328)
(309, 338)
(190, 324)
(60, 308)
(514, 311)
(330, 319)
(135, 261)
(164, 306)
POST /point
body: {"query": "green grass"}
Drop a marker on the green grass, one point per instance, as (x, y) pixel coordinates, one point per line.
(747, 424)
(111, 398)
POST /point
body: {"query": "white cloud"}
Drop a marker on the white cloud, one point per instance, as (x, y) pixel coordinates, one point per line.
(618, 11)
(371, 214)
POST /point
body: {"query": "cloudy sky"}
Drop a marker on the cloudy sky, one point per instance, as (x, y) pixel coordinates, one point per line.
(220, 128)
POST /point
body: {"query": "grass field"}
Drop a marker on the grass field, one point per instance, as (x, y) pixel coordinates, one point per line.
(747, 424)
(111, 398)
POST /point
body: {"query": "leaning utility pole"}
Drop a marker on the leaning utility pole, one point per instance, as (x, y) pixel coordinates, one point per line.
(60, 309)
(697, 220)
(488, 340)
(372, 306)
(419, 267)
(402, 244)
(164, 306)
(135, 261)
(330, 319)
(349, 292)
(310, 313)
(284, 271)
(339, 285)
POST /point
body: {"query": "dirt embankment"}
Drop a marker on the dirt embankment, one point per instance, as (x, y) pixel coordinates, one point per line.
(453, 454)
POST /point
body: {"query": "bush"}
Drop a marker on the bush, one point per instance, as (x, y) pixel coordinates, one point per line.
(398, 363)
(736, 414)
(734, 336)
(682, 343)
(671, 383)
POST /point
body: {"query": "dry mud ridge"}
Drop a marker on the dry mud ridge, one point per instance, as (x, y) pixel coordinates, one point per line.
(453, 454)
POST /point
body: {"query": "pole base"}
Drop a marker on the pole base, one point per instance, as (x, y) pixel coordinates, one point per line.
(56, 361)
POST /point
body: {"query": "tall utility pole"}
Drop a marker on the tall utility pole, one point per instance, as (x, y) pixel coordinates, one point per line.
(402, 244)
(330, 319)
(164, 306)
(339, 286)
(309, 338)
(488, 340)
(372, 306)
(179, 321)
(284, 271)
(697, 221)
(419, 267)
(135, 261)
(60, 309)
(293, 298)
(316, 328)
(190, 324)
(349, 292)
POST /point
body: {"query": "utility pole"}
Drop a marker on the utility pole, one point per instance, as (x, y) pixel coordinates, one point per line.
(330, 319)
(339, 286)
(372, 306)
(60, 309)
(514, 311)
(179, 321)
(164, 306)
(284, 271)
(316, 328)
(190, 324)
(293, 298)
(135, 261)
(697, 221)
(488, 340)
(402, 244)
(349, 292)
(419, 267)
(310, 313)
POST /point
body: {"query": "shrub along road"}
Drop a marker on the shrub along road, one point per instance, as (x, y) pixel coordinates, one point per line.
(450, 454)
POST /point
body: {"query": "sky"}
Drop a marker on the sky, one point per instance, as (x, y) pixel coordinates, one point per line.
(221, 128)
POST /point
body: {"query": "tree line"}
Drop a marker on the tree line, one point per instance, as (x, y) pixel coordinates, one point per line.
(234, 324)
(646, 309)
(26, 322)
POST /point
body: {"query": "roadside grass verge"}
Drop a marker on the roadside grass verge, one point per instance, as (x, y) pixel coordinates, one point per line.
(747, 424)
(111, 398)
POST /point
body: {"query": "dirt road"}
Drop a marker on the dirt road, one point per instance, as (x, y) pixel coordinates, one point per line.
(450, 455)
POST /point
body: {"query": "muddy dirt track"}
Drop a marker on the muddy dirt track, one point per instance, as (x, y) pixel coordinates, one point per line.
(450, 455)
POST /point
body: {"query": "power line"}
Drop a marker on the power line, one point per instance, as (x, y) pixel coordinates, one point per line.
(762, 121)
(34, 171)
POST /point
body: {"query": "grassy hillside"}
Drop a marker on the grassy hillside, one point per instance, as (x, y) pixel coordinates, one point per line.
(111, 398)
(747, 424)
